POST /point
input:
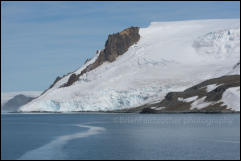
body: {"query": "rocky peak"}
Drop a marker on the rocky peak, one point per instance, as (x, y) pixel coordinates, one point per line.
(116, 45)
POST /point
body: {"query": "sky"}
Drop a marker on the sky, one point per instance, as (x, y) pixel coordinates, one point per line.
(43, 40)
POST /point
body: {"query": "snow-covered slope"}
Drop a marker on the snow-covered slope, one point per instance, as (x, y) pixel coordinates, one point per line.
(170, 56)
(231, 98)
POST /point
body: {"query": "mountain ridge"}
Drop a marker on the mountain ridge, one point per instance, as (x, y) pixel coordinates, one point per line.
(150, 68)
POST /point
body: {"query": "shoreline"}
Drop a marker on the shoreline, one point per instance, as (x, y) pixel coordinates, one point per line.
(115, 112)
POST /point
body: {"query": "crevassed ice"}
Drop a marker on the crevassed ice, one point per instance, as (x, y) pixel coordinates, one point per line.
(163, 60)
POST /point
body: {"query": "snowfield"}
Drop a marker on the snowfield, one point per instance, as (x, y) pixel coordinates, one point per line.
(170, 56)
(231, 98)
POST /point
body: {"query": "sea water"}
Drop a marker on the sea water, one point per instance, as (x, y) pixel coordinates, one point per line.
(120, 136)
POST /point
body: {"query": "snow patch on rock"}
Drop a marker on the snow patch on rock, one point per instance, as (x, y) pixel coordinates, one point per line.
(200, 104)
(190, 99)
(212, 87)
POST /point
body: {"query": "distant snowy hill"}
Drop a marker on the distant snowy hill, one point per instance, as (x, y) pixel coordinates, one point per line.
(142, 65)
(11, 101)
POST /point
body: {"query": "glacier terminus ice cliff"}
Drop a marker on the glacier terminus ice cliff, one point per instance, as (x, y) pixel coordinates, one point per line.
(182, 66)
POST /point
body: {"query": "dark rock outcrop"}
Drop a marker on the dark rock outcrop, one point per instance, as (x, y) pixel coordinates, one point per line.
(173, 104)
(56, 80)
(237, 65)
(71, 80)
(87, 60)
(116, 45)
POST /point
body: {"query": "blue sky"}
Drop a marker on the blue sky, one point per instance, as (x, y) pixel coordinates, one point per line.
(43, 40)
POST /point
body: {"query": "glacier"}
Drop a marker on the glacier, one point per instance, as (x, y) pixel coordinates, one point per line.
(170, 56)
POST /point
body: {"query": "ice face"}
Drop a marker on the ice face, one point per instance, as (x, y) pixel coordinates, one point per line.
(170, 56)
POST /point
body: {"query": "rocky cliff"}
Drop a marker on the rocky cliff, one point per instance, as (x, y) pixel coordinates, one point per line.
(116, 45)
